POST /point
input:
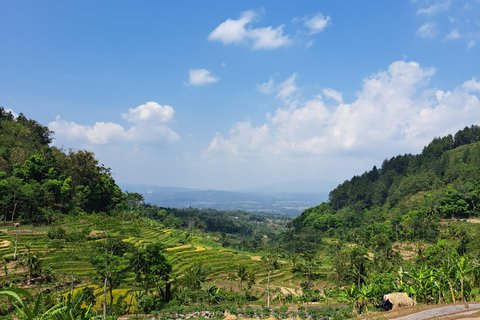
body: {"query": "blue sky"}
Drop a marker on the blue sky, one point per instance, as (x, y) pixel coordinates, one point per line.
(233, 95)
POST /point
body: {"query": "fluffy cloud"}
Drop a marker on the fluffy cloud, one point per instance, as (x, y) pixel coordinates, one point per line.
(149, 112)
(198, 77)
(149, 127)
(428, 30)
(471, 85)
(436, 7)
(317, 23)
(393, 110)
(236, 32)
(233, 31)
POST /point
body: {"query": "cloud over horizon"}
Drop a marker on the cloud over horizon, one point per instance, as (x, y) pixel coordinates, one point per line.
(394, 110)
(148, 127)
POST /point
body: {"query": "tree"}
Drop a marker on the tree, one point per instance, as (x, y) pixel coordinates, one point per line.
(31, 262)
(269, 261)
(195, 275)
(108, 256)
(242, 274)
(155, 270)
(311, 264)
(359, 263)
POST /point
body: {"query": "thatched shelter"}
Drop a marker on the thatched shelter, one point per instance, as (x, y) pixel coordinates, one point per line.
(400, 299)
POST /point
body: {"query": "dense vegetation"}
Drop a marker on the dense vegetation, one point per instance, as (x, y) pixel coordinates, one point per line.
(405, 199)
(401, 227)
(39, 182)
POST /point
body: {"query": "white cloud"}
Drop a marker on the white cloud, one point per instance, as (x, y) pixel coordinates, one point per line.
(453, 35)
(317, 23)
(471, 44)
(287, 88)
(269, 38)
(149, 127)
(198, 77)
(151, 112)
(235, 32)
(471, 85)
(100, 133)
(284, 90)
(428, 30)
(436, 7)
(333, 94)
(14, 114)
(393, 111)
(266, 87)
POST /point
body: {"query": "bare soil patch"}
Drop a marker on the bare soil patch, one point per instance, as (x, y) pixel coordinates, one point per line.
(13, 267)
(473, 220)
(4, 243)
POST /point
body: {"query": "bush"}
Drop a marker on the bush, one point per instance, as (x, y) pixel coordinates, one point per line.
(249, 312)
(266, 312)
(56, 233)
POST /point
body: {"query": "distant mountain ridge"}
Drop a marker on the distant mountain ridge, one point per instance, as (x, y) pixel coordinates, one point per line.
(275, 203)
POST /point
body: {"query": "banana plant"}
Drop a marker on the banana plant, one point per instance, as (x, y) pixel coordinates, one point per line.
(352, 295)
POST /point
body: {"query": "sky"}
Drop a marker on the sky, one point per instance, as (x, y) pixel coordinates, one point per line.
(231, 95)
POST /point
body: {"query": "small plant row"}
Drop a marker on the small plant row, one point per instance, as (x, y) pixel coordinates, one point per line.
(283, 312)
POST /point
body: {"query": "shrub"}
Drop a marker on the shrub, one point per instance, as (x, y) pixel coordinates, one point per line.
(266, 312)
(249, 312)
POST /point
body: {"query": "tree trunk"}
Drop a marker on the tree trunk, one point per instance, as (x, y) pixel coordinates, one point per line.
(451, 291)
(268, 289)
(309, 277)
(105, 298)
(16, 247)
(14, 208)
(111, 295)
(71, 271)
(131, 297)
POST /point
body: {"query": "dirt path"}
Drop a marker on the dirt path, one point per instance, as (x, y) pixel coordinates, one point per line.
(443, 312)
(458, 311)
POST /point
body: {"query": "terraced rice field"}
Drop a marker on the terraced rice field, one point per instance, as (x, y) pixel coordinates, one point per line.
(181, 250)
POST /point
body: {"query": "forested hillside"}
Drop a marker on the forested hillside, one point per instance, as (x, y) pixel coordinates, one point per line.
(403, 200)
(39, 182)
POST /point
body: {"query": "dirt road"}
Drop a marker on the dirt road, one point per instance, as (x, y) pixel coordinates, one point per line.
(458, 311)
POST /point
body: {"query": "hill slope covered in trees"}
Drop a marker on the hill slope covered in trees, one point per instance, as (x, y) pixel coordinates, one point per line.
(405, 199)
